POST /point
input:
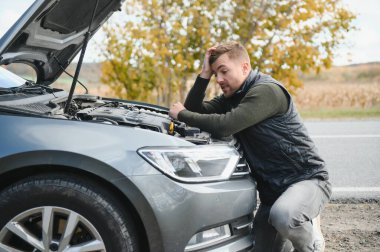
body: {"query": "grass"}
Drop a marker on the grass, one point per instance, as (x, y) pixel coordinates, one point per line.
(339, 113)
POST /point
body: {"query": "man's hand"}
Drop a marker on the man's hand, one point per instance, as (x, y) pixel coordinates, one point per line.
(175, 109)
(206, 68)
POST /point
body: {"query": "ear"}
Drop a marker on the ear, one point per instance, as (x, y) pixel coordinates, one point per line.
(245, 67)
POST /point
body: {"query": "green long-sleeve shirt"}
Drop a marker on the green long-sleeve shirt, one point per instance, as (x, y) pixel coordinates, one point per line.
(221, 118)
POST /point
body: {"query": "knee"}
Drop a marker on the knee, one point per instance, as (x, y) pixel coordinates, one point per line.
(281, 219)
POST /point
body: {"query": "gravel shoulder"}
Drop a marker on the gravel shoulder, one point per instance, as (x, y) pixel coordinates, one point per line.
(352, 226)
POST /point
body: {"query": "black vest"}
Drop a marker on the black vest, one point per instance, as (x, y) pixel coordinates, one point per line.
(279, 149)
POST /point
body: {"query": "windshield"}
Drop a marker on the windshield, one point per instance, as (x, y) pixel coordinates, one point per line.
(9, 79)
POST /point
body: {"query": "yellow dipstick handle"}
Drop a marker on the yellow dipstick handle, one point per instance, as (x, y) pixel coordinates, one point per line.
(171, 128)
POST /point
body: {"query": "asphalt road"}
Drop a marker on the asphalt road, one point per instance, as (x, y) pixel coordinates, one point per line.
(351, 150)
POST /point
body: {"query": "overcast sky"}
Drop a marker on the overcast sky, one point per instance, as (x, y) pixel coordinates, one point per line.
(360, 47)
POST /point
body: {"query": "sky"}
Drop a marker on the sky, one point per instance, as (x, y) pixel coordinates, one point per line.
(361, 46)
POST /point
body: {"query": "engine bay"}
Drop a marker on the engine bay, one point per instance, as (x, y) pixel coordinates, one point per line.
(139, 115)
(96, 109)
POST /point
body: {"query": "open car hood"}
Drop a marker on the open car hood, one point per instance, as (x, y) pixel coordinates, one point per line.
(52, 32)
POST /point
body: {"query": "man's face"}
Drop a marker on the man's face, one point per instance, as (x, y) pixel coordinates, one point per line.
(229, 73)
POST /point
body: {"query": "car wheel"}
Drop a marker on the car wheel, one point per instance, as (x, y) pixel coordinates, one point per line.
(59, 213)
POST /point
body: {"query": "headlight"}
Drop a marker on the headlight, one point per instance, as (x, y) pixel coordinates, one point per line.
(195, 163)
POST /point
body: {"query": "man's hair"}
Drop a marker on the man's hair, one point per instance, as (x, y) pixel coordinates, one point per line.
(234, 50)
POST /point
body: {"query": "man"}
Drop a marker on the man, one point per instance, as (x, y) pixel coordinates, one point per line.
(291, 177)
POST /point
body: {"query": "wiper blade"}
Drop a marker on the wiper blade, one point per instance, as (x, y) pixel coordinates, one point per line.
(29, 88)
(5, 91)
(48, 89)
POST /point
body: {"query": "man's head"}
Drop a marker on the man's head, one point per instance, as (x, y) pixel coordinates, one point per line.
(231, 65)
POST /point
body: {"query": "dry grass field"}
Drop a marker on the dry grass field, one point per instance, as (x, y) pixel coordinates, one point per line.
(341, 91)
(339, 95)
(348, 86)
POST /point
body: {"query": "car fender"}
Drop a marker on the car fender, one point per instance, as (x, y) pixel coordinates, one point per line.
(73, 162)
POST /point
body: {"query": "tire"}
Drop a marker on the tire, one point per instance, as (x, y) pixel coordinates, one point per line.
(74, 213)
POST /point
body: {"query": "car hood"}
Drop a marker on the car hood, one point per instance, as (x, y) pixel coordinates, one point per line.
(51, 32)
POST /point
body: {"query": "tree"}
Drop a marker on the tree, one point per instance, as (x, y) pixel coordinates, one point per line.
(161, 47)
(157, 50)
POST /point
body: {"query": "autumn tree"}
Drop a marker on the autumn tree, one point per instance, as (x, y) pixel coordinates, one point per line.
(158, 49)
(152, 56)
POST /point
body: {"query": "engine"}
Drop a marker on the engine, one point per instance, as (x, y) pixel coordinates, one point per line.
(137, 115)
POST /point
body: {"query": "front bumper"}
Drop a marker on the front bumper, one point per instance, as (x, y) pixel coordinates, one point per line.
(183, 210)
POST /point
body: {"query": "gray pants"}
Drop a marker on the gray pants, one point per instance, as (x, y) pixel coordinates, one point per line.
(287, 223)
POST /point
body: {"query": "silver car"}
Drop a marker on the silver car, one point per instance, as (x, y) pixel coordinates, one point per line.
(86, 173)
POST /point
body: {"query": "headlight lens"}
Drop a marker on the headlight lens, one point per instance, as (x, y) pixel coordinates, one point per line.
(195, 163)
